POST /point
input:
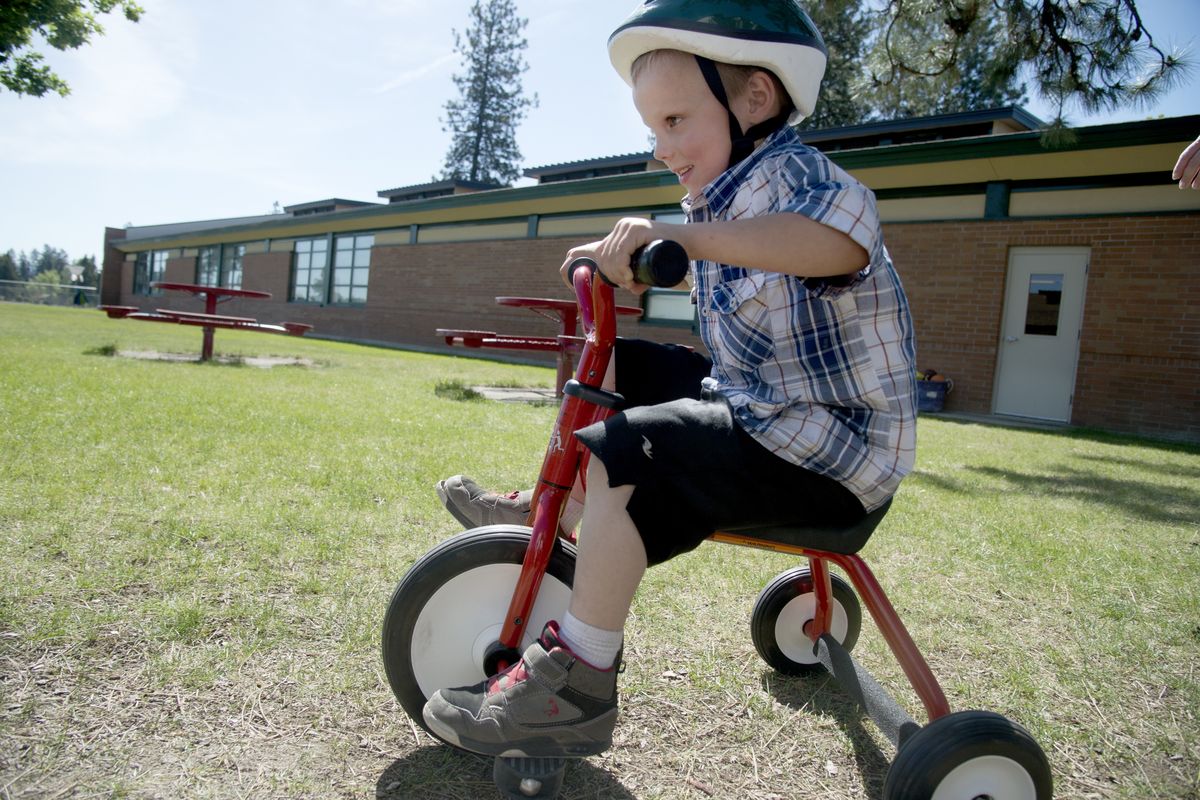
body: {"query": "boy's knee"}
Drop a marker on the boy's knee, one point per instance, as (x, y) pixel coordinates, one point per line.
(598, 484)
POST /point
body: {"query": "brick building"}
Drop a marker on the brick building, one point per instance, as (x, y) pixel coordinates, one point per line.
(1055, 284)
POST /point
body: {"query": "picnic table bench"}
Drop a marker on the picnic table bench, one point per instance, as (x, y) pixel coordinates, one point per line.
(208, 319)
(566, 343)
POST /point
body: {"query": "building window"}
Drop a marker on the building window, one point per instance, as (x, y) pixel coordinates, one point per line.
(150, 267)
(672, 307)
(220, 265)
(208, 266)
(310, 262)
(351, 268)
(231, 265)
(668, 307)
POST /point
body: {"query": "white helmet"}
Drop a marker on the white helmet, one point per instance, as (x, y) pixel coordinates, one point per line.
(773, 34)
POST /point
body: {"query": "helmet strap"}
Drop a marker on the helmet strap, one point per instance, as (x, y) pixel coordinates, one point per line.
(741, 142)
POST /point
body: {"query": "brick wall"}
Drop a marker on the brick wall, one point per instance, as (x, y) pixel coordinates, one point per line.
(110, 268)
(416, 289)
(1139, 362)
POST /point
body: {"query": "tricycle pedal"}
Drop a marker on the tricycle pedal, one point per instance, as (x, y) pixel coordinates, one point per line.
(521, 778)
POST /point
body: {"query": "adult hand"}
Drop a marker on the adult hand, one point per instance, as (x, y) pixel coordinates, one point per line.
(1187, 168)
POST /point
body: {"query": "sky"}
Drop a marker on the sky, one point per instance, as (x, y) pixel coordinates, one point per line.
(223, 108)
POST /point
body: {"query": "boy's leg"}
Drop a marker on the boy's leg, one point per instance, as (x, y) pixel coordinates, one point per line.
(612, 558)
(474, 506)
(553, 702)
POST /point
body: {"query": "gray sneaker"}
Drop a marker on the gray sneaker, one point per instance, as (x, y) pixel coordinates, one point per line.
(550, 704)
(473, 507)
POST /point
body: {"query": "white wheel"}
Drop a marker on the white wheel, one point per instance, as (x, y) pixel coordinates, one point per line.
(987, 776)
(782, 609)
(970, 755)
(448, 610)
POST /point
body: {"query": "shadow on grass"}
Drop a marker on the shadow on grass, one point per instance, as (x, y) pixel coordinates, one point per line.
(819, 696)
(1032, 428)
(1143, 499)
(442, 773)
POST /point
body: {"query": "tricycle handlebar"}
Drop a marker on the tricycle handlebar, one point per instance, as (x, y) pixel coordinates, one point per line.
(660, 263)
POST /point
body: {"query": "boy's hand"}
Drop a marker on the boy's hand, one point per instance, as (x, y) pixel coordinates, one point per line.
(614, 252)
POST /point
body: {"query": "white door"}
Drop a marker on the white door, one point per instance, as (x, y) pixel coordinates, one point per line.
(1039, 341)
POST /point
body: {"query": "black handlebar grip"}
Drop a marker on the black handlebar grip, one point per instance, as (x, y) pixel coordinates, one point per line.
(660, 263)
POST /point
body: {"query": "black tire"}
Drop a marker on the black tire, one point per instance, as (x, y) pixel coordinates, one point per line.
(449, 607)
(782, 608)
(973, 755)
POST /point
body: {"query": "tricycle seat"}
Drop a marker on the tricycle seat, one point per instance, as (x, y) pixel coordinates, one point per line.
(845, 540)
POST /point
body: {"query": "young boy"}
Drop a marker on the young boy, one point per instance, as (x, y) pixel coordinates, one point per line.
(807, 415)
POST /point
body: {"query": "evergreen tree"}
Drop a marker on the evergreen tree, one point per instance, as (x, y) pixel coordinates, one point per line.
(50, 259)
(845, 27)
(483, 120)
(1095, 54)
(8, 267)
(25, 269)
(977, 77)
(91, 275)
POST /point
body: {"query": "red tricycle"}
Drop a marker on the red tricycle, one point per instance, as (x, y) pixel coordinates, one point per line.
(468, 607)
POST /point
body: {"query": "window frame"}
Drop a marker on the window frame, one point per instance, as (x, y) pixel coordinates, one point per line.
(213, 265)
(361, 243)
(208, 265)
(355, 248)
(323, 290)
(692, 324)
(149, 267)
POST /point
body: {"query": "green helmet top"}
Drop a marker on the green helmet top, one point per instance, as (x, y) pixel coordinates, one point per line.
(773, 34)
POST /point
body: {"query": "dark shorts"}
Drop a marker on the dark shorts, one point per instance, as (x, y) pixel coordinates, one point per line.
(694, 469)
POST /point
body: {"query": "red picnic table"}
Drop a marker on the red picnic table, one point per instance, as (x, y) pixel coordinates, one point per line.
(566, 343)
(210, 320)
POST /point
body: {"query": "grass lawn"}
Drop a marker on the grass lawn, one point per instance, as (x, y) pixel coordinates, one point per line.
(197, 558)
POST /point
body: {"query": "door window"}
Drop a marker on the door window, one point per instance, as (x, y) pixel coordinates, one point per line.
(1045, 300)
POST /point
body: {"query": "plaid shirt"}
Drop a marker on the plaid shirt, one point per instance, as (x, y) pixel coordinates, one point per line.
(820, 371)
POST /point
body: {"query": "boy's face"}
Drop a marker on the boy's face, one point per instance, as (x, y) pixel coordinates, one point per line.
(690, 127)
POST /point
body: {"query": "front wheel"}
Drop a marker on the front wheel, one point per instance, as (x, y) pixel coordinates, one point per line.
(970, 755)
(448, 610)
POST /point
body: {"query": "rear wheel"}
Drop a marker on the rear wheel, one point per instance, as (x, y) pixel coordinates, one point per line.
(970, 755)
(446, 614)
(783, 608)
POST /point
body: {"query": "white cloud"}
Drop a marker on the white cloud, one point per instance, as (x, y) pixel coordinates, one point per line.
(411, 75)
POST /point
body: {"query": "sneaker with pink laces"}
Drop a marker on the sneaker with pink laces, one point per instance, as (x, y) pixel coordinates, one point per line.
(472, 506)
(550, 704)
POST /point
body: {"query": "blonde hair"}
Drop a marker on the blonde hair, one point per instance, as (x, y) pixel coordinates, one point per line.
(734, 77)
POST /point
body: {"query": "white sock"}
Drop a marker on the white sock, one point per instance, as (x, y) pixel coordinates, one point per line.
(571, 515)
(596, 646)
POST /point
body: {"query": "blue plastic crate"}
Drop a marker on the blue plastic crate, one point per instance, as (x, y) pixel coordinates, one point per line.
(931, 395)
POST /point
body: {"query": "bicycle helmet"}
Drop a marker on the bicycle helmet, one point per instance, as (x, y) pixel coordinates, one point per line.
(776, 35)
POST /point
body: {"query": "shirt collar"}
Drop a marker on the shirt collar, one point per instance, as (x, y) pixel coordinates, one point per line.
(718, 194)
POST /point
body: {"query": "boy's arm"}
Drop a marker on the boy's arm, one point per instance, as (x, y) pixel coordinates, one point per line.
(785, 242)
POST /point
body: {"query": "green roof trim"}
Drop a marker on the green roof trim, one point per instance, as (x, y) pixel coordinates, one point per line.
(401, 211)
(1128, 134)
(1123, 134)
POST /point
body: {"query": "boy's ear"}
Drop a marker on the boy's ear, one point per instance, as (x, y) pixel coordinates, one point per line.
(762, 97)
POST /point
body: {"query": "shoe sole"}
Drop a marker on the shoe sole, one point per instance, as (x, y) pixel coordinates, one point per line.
(454, 512)
(533, 747)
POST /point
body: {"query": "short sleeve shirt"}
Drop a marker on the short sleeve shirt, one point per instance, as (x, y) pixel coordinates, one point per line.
(819, 371)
